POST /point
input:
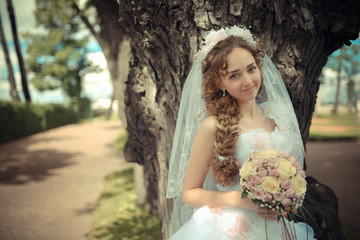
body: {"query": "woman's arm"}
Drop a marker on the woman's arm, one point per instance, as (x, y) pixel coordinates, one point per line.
(201, 156)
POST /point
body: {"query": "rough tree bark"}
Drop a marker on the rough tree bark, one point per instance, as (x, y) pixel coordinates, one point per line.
(298, 36)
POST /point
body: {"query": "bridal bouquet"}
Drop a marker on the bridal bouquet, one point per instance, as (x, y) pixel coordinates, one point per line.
(275, 181)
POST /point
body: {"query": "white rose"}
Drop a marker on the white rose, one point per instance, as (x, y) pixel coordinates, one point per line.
(247, 169)
(285, 169)
(270, 184)
(299, 184)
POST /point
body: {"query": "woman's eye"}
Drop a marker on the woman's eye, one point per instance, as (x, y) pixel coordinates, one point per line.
(233, 76)
(252, 69)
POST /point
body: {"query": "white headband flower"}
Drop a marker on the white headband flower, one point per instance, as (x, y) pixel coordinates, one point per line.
(213, 37)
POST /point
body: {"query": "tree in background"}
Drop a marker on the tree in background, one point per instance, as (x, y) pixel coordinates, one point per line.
(298, 36)
(337, 63)
(345, 63)
(24, 81)
(113, 42)
(57, 56)
(352, 70)
(13, 92)
(100, 19)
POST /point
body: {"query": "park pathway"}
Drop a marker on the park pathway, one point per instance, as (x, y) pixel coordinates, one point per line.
(50, 182)
(337, 165)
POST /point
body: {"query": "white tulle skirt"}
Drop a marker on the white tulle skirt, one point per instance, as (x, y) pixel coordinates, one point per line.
(238, 223)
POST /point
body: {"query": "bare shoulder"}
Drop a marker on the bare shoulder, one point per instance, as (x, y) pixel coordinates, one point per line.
(209, 125)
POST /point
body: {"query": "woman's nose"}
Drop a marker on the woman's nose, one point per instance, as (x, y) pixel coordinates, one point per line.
(247, 79)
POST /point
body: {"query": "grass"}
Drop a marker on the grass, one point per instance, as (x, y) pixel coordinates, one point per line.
(121, 140)
(116, 216)
(343, 127)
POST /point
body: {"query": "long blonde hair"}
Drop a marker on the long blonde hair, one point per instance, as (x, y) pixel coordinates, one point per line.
(225, 108)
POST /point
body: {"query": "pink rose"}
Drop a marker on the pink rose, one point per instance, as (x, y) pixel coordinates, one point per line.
(259, 194)
(286, 202)
(285, 184)
(273, 173)
(268, 198)
(262, 172)
(255, 180)
(297, 166)
(297, 196)
(259, 162)
(302, 173)
(278, 197)
(271, 161)
(290, 193)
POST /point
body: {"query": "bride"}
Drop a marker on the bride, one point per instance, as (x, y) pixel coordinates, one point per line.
(234, 103)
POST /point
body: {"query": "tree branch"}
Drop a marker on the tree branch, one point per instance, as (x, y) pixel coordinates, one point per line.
(87, 23)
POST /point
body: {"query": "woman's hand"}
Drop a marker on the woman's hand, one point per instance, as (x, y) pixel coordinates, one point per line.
(249, 204)
(268, 215)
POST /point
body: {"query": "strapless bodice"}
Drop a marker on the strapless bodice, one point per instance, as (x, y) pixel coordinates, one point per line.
(256, 140)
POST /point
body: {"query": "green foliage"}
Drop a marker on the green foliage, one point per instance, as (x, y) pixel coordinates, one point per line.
(57, 56)
(121, 140)
(85, 111)
(19, 120)
(55, 115)
(345, 60)
(116, 216)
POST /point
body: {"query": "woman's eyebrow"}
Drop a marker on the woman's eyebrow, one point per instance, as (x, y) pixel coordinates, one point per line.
(237, 70)
(233, 71)
(250, 65)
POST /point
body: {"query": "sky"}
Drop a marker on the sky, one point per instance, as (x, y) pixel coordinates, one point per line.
(96, 86)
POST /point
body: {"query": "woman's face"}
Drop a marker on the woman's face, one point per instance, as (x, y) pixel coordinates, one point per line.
(243, 78)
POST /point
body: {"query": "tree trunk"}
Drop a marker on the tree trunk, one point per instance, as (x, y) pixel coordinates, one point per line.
(13, 93)
(351, 96)
(338, 84)
(298, 36)
(24, 81)
(114, 44)
(116, 49)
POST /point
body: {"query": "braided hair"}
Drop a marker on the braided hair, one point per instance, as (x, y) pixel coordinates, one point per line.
(225, 108)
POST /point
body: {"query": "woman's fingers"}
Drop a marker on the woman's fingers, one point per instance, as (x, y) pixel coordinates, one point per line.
(268, 215)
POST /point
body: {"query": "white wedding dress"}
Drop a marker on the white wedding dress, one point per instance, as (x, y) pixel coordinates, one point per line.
(240, 223)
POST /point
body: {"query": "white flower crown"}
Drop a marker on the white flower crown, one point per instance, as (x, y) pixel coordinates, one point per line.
(213, 37)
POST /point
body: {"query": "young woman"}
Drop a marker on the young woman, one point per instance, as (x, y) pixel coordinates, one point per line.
(234, 103)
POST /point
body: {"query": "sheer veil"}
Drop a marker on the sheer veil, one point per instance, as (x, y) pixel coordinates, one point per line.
(193, 110)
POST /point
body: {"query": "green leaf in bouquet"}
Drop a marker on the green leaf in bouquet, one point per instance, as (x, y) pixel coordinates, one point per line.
(244, 194)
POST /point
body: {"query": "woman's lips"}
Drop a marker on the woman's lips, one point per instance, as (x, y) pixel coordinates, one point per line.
(249, 89)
